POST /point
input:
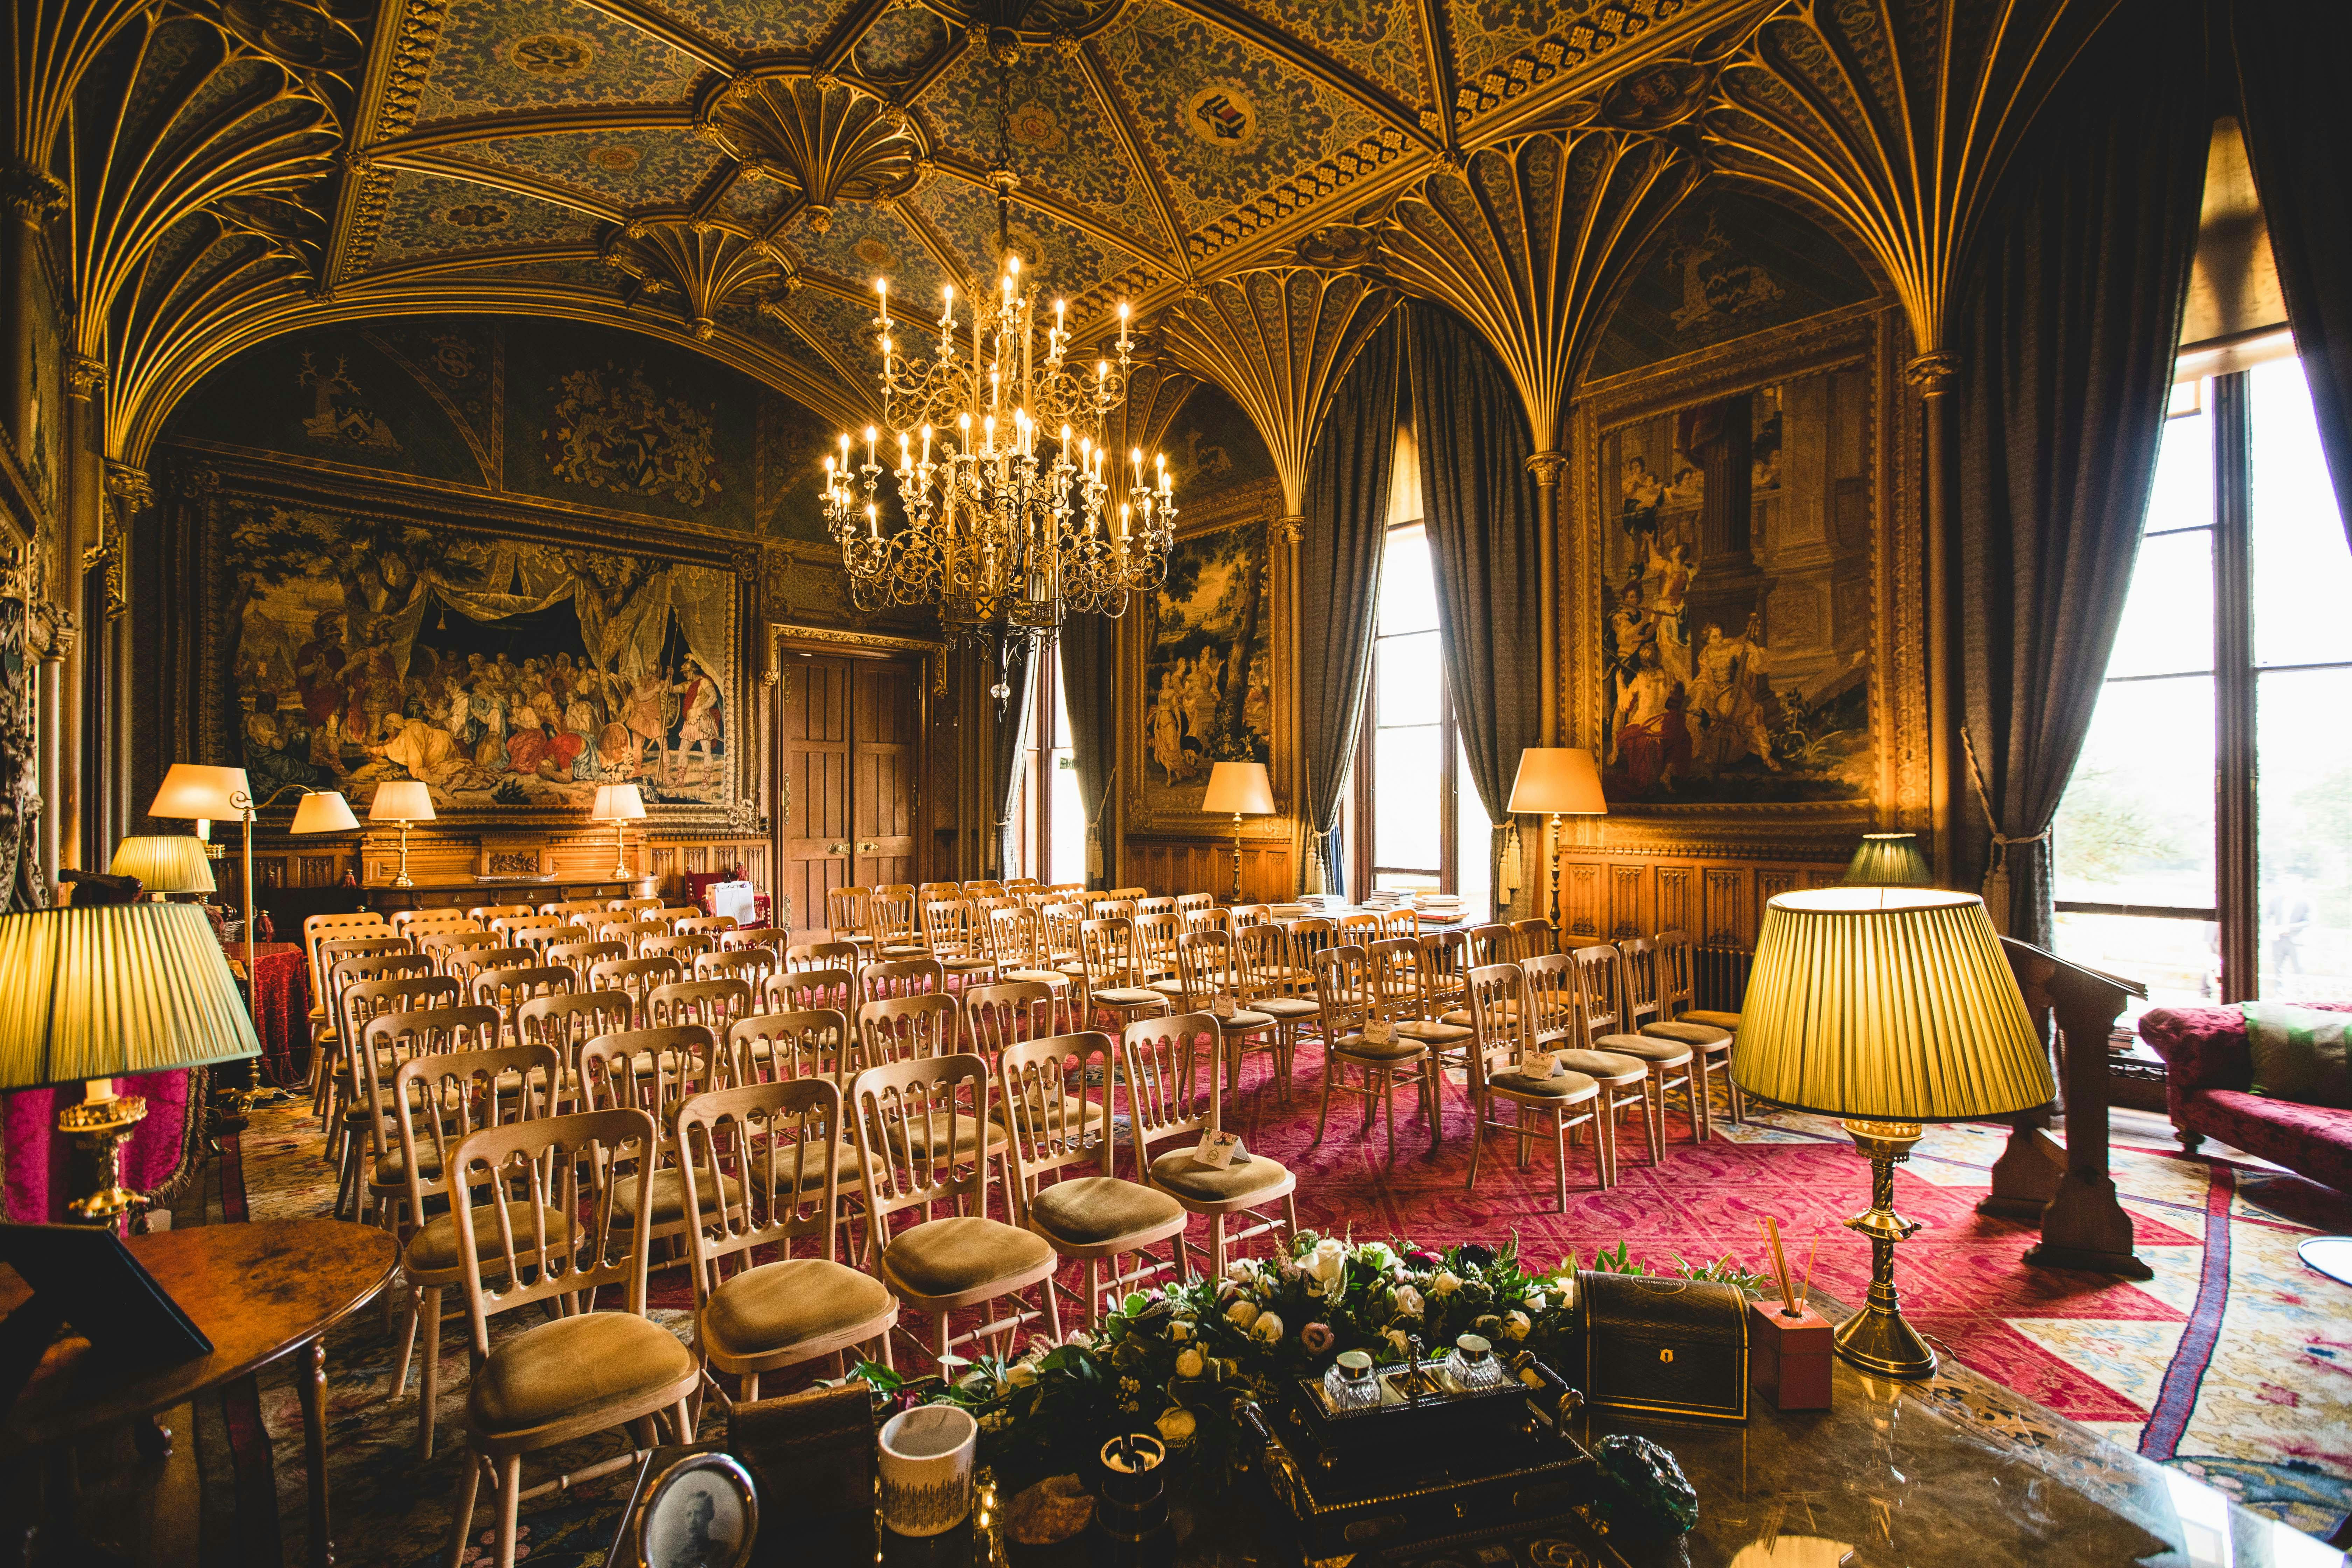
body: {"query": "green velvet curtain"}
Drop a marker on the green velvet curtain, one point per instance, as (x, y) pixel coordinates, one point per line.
(2291, 62)
(2067, 341)
(1089, 673)
(1479, 506)
(1348, 479)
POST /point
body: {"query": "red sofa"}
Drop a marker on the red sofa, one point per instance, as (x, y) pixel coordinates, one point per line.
(2208, 1087)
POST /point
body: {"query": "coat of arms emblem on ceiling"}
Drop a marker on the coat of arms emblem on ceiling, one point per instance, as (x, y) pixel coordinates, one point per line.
(613, 432)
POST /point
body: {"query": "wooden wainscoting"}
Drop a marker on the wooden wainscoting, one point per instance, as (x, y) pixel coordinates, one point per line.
(444, 857)
(1169, 865)
(1719, 902)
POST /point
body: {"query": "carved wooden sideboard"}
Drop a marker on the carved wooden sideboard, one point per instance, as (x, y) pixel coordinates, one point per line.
(1719, 902)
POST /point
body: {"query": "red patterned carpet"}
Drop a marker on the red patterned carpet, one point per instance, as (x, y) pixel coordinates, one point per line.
(2234, 1362)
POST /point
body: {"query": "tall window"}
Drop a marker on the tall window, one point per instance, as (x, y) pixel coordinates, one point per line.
(2204, 845)
(1413, 821)
(1052, 826)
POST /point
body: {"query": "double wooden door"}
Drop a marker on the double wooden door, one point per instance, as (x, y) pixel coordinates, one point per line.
(850, 732)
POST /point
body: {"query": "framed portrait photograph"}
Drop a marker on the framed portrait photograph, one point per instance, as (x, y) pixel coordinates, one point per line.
(701, 1512)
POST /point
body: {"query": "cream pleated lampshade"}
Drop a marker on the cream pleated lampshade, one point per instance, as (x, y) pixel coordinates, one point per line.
(114, 990)
(1886, 1004)
(165, 863)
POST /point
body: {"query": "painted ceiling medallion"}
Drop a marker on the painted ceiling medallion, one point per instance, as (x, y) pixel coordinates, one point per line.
(705, 263)
(616, 158)
(559, 56)
(825, 139)
(1035, 125)
(1220, 114)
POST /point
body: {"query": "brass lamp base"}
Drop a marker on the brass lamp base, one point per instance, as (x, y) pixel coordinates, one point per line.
(101, 1124)
(1876, 1339)
(620, 851)
(1237, 859)
(402, 879)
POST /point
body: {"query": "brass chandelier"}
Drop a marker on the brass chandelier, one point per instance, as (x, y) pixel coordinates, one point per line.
(1012, 511)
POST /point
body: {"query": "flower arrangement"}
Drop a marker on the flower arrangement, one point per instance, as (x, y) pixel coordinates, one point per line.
(1174, 1358)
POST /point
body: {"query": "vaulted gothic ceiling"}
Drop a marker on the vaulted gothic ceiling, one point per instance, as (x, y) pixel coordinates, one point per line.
(735, 173)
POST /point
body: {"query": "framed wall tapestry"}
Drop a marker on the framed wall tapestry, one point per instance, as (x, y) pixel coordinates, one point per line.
(1209, 661)
(1735, 597)
(511, 667)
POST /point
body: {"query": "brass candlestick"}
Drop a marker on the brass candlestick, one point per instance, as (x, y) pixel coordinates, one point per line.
(1237, 858)
(101, 1121)
(1876, 1338)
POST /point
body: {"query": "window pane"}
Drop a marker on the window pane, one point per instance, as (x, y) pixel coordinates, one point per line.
(2303, 807)
(2180, 962)
(2183, 496)
(1408, 587)
(2137, 823)
(2168, 624)
(1407, 769)
(2303, 569)
(1474, 843)
(1412, 668)
(1406, 881)
(1069, 846)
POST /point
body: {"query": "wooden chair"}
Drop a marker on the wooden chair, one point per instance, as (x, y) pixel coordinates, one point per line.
(442, 946)
(440, 1099)
(415, 923)
(849, 916)
(699, 924)
(1408, 996)
(1171, 1068)
(917, 1124)
(1555, 1022)
(1346, 1002)
(683, 946)
(1676, 960)
(1271, 984)
(542, 940)
(1195, 903)
(825, 955)
(1207, 970)
(426, 1025)
(677, 914)
(751, 965)
(1113, 979)
(892, 930)
(584, 1372)
(574, 911)
(583, 956)
(635, 905)
(317, 929)
(486, 914)
(565, 1021)
(1110, 908)
(1403, 921)
(1560, 1100)
(923, 1026)
(469, 963)
(794, 990)
(508, 989)
(1061, 1128)
(714, 1003)
(634, 932)
(1601, 989)
(1489, 944)
(656, 1071)
(636, 978)
(954, 943)
(1062, 923)
(814, 1042)
(365, 986)
(1130, 894)
(778, 1147)
(1533, 938)
(1156, 937)
(768, 937)
(330, 946)
(1361, 929)
(1002, 1015)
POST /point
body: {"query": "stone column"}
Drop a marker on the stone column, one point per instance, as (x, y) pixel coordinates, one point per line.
(80, 824)
(1547, 466)
(129, 493)
(1936, 376)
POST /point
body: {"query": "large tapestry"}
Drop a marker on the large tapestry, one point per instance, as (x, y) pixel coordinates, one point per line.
(1737, 616)
(505, 673)
(1208, 669)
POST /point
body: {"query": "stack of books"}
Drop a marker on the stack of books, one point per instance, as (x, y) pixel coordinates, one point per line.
(1438, 909)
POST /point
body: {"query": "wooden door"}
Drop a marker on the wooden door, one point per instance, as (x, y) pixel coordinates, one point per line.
(886, 793)
(849, 742)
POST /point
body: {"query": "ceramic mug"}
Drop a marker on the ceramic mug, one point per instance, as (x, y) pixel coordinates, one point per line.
(926, 1468)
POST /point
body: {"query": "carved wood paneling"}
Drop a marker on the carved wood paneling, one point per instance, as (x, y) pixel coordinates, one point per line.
(1579, 898)
(1628, 906)
(1719, 901)
(1171, 866)
(1721, 906)
(1674, 908)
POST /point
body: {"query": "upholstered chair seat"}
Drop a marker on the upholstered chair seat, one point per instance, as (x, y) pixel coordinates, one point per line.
(1177, 1172)
(434, 1248)
(572, 1369)
(1558, 1086)
(1131, 997)
(1428, 1033)
(949, 1257)
(1605, 1066)
(1656, 1052)
(1025, 1112)
(1700, 1036)
(1099, 1210)
(778, 1305)
(669, 1197)
(1705, 1016)
(935, 1137)
(1283, 1009)
(1356, 1047)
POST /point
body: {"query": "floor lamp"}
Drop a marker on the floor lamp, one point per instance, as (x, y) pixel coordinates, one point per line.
(1886, 1006)
(619, 804)
(1556, 782)
(1243, 789)
(210, 794)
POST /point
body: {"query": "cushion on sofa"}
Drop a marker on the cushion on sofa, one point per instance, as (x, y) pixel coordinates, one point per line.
(2298, 1053)
(2312, 1140)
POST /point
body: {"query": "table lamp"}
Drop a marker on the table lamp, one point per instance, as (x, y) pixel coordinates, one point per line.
(90, 994)
(209, 794)
(403, 801)
(1243, 789)
(1556, 782)
(1888, 860)
(1886, 1008)
(619, 804)
(165, 864)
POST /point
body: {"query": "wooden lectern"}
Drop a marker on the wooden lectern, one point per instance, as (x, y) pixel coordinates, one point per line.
(2068, 1188)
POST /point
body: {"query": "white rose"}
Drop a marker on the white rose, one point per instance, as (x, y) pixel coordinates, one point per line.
(1190, 1362)
(1241, 1271)
(1326, 1268)
(1020, 1375)
(1267, 1329)
(1241, 1314)
(1408, 1301)
(1535, 1303)
(1445, 1282)
(1516, 1326)
(1179, 1330)
(1398, 1342)
(1177, 1425)
(1377, 1255)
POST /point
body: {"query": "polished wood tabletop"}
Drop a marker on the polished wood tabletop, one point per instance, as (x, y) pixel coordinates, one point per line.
(258, 1291)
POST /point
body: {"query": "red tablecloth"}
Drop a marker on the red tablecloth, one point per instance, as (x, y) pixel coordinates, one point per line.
(34, 1159)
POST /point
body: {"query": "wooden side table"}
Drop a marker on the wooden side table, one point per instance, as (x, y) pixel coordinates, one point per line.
(260, 1291)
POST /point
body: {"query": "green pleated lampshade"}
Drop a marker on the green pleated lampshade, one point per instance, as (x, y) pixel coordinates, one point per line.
(114, 990)
(1886, 1004)
(1888, 860)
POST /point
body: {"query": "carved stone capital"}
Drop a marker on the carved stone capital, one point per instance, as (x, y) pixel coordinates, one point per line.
(84, 376)
(129, 487)
(1290, 530)
(53, 630)
(1547, 468)
(1933, 373)
(34, 197)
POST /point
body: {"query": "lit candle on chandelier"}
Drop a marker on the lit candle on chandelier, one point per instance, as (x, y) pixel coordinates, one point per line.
(988, 431)
(873, 522)
(1122, 323)
(1134, 462)
(882, 288)
(1122, 521)
(926, 446)
(869, 446)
